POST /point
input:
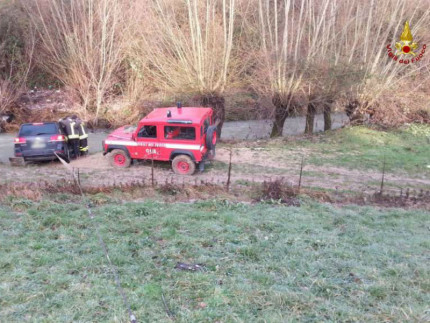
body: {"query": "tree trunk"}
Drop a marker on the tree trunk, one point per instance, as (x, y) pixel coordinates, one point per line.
(282, 112)
(217, 103)
(353, 111)
(310, 118)
(327, 117)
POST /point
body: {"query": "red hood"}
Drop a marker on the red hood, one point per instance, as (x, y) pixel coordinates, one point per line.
(123, 133)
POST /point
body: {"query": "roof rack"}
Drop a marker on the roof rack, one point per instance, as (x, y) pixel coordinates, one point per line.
(179, 121)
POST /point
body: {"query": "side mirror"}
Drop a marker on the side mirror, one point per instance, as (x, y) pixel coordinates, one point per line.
(133, 136)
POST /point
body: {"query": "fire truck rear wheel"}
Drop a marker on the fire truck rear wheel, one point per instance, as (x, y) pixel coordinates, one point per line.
(183, 165)
(119, 158)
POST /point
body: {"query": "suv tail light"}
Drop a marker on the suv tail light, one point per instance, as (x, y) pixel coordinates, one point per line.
(58, 138)
(20, 140)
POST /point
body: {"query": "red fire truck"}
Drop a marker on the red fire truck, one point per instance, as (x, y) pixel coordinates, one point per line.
(186, 136)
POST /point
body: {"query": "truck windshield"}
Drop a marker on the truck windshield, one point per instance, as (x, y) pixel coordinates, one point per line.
(38, 129)
(148, 132)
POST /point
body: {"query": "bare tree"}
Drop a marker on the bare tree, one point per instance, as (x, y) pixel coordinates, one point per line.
(189, 48)
(314, 52)
(82, 45)
(292, 36)
(377, 24)
(16, 55)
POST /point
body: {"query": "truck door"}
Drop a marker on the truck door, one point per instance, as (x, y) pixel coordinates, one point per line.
(147, 142)
(182, 139)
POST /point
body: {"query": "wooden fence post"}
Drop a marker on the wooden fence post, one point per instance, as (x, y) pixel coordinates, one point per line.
(301, 172)
(383, 177)
(152, 170)
(229, 170)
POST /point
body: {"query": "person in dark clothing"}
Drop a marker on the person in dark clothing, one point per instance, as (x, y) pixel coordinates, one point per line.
(83, 136)
(72, 131)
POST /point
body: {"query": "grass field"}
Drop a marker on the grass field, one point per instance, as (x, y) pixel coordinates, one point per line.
(264, 263)
(406, 150)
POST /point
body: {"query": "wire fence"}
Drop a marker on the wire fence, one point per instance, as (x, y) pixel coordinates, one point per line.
(229, 181)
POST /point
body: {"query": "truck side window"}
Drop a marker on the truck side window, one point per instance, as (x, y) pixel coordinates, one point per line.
(147, 132)
(177, 132)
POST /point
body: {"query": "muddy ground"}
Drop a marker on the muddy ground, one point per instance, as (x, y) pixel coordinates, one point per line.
(250, 163)
(232, 130)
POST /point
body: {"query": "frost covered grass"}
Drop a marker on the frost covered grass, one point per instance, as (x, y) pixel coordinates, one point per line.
(405, 150)
(262, 262)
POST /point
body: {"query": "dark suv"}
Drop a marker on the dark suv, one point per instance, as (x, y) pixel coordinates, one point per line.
(39, 141)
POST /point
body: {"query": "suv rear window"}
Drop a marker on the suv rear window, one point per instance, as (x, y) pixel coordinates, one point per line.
(38, 129)
(175, 132)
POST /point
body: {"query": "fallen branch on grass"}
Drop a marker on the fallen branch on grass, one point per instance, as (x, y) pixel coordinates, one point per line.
(188, 267)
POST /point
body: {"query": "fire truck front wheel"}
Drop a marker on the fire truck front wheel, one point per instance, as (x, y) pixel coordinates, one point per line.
(183, 165)
(119, 158)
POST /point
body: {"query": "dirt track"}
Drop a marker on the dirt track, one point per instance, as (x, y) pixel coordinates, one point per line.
(249, 164)
(236, 130)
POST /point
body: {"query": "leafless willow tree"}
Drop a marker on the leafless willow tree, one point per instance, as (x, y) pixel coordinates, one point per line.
(377, 24)
(16, 54)
(295, 37)
(304, 54)
(189, 47)
(314, 52)
(82, 45)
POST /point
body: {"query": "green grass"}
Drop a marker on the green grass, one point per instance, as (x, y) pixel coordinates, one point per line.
(405, 150)
(264, 263)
